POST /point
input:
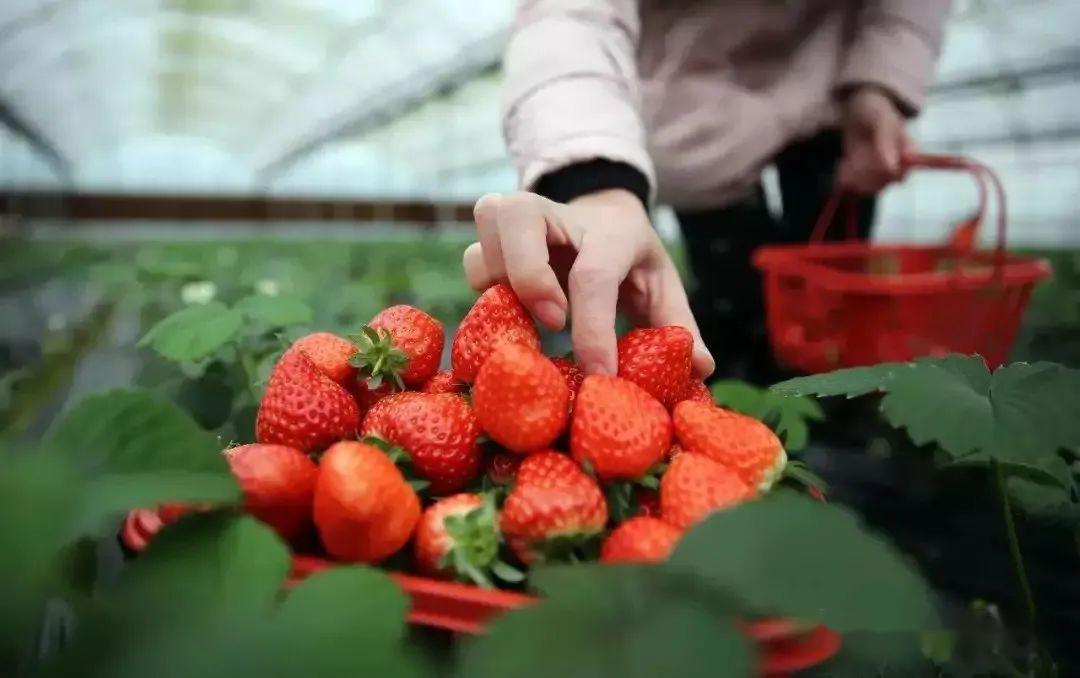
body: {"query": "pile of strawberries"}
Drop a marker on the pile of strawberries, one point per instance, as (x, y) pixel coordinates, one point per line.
(510, 455)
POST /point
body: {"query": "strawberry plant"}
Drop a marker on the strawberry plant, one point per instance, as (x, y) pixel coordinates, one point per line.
(1020, 422)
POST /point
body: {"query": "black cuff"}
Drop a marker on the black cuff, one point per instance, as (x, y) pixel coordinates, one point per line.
(589, 176)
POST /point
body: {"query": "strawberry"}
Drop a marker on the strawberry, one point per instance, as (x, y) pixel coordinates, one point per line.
(648, 502)
(695, 390)
(458, 537)
(278, 484)
(496, 318)
(694, 486)
(401, 344)
(174, 511)
(520, 398)
(331, 354)
(573, 376)
(502, 468)
(743, 444)
(640, 540)
(302, 407)
(438, 431)
(618, 429)
(366, 397)
(658, 360)
(444, 382)
(553, 507)
(364, 510)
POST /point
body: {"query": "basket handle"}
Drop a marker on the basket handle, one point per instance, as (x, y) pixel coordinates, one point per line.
(963, 236)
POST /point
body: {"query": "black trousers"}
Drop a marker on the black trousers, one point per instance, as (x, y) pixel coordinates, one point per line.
(725, 293)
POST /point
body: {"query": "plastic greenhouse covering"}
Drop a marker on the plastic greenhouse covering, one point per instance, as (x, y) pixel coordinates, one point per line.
(400, 98)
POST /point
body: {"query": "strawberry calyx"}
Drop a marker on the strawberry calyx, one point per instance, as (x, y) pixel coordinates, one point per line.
(799, 474)
(474, 551)
(377, 358)
(572, 548)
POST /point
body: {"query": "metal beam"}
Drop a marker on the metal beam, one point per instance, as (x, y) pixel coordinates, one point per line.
(477, 58)
(59, 164)
(1066, 66)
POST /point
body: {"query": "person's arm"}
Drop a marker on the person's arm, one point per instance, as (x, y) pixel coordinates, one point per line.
(571, 114)
(895, 47)
(883, 82)
(577, 240)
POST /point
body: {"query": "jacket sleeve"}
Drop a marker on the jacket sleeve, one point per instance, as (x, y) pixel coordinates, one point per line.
(571, 94)
(896, 44)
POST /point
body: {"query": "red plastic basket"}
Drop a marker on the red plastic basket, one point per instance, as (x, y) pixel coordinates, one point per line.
(784, 646)
(845, 304)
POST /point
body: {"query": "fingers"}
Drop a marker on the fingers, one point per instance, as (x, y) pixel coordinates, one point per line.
(523, 229)
(476, 270)
(594, 293)
(486, 214)
(513, 246)
(669, 306)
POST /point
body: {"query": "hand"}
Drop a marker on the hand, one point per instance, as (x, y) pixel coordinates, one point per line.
(875, 139)
(601, 249)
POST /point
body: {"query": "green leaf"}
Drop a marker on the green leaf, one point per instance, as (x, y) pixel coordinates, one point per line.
(611, 621)
(851, 382)
(203, 601)
(1022, 414)
(38, 503)
(194, 332)
(275, 311)
(792, 556)
(210, 561)
(135, 449)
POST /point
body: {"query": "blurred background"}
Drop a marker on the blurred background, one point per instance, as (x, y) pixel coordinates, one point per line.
(157, 155)
(160, 153)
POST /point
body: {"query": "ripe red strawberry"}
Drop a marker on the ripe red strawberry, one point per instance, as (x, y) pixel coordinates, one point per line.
(331, 354)
(278, 484)
(520, 398)
(640, 540)
(554, 506)
(573, 376)
(303, 408)
(366, 397)
(658, 360)
(502, 468)
(618, 429)
(496, 318)
(401, 344)
(438, 431)
(695, 390)
(458, 537)
(694, 486)
(364, 510)
(743, 444)
(444, 382)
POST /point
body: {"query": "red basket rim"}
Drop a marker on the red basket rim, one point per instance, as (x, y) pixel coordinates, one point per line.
(803, 260)
(472, 605)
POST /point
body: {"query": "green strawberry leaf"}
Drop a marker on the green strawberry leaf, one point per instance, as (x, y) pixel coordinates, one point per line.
(275, 311)
(851, 382)
(135, 449)
(611, 621)
(38, 505)
(194, 332)
(791, 556)
(1022, 414)
(208, 561)
(207, 600)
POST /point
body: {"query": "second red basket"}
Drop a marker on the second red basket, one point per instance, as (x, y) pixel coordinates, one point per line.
(833, 305)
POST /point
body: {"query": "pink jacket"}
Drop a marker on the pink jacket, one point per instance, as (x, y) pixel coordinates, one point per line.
(699, 95)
